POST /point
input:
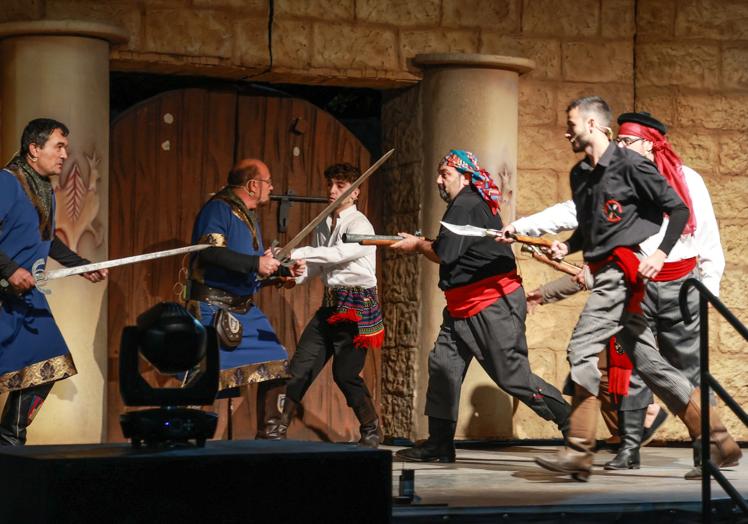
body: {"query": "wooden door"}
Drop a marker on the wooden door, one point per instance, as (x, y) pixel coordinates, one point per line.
(168, 154)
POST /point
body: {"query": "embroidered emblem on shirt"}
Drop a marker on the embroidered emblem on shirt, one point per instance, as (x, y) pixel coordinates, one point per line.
(613, 211)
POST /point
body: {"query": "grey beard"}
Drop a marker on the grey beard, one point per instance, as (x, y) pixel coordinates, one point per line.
(444, 195)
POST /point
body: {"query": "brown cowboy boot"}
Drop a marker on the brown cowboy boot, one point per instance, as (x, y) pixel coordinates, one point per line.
(371, 432)
(576, 458)
(271, 397)
(724, 452)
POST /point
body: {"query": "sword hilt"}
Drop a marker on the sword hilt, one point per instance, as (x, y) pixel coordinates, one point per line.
(38, 271)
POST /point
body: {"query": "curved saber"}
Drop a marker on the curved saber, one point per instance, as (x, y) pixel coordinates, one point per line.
(42, 276)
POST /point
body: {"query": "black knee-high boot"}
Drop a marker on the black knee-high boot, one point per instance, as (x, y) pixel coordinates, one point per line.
(19, 411)
(631, 428)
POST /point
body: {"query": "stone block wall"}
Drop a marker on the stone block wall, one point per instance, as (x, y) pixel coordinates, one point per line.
(683, 60)
(401, 121)
(691, 69)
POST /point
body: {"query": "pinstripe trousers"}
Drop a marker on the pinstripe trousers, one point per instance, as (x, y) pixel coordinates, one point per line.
(604, 316)
(678, 341)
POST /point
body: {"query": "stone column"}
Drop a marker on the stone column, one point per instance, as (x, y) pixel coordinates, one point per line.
(468, 102)
(60, 69)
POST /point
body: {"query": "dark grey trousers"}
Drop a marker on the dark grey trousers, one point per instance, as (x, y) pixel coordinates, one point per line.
(678, 341)
(604, 316)
(496, 337)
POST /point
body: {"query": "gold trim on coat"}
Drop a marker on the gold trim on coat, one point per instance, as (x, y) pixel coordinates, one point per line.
(252, 374)
(49, 370)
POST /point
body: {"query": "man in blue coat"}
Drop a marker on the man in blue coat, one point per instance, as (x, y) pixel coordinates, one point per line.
(223, 281)
(33, 354)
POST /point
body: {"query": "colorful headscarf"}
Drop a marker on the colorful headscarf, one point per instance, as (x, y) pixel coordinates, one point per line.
(466, 162)
(667, 160)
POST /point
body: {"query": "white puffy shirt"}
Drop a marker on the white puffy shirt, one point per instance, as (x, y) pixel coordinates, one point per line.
(338, 263)
(704, 243)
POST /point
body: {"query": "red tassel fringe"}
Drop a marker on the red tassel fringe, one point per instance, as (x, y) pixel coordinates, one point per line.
(619, 370)
(374, 341)
(348, 316)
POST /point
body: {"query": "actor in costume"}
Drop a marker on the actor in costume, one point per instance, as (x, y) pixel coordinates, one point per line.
(697, 254)
(349, 322)
(485, 313)
(620, 199)
(223, 281)
(33, 354)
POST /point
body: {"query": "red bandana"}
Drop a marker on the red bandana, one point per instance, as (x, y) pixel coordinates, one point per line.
(668, 162)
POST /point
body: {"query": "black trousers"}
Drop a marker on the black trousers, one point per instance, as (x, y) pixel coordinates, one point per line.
(496, 337)
(319, 342)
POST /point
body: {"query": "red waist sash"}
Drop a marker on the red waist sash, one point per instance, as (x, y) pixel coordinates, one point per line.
(469, 300)
(675, 270)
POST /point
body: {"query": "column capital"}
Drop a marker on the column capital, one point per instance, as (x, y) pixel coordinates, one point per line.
(474, 60)
(110, 33)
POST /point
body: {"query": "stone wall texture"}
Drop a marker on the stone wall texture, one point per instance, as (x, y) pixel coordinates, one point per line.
(686, 61)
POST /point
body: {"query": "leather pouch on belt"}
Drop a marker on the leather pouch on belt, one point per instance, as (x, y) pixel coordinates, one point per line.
(228, 328)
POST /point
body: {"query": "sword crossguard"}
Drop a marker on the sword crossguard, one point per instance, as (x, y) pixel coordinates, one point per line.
(38, 271)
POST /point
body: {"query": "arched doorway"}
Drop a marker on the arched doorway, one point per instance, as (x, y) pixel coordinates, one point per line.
(168, 154)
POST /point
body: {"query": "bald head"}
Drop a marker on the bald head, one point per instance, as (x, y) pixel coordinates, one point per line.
(247, 169)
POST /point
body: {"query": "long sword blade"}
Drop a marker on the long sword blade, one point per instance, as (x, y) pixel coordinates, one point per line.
(42, 276)
(285, 251)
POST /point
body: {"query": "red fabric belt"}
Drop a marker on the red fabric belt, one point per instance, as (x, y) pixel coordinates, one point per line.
(469, 300)
(675, 270)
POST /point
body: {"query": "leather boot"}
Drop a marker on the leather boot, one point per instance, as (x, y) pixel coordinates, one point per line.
(724, 452)
(371, 432)
(649, 433)
(439, 447)
(271, 396)
(19, 411)
(576, 458)
(290, 407)
(632, 428)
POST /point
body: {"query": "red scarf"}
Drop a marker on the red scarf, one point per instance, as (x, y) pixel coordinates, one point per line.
(619, 363)
(668, 162)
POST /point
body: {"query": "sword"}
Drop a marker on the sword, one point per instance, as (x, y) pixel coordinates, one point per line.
(42, 276)
(474, 231)
(285, 251)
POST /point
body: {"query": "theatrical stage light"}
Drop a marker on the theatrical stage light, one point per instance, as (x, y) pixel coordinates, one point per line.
(174, 343)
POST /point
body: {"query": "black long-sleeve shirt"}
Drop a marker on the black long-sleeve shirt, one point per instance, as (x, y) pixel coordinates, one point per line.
(620, 202)
(463, 259)
(234, 261)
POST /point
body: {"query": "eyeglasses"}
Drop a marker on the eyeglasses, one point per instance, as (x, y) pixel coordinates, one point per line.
(268, 180)
(627, 140)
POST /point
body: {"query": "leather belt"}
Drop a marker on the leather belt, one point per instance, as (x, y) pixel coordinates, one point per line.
(220, 298)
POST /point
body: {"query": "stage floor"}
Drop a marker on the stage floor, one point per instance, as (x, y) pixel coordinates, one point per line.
(508, 478)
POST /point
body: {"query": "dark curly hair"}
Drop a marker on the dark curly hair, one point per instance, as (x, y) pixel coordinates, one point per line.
(345, 172)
